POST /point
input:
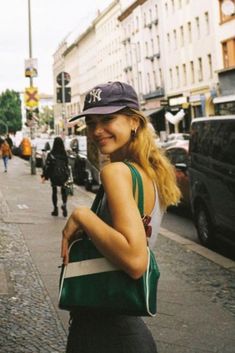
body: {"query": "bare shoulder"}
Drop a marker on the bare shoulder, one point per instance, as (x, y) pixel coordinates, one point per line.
(117, 172)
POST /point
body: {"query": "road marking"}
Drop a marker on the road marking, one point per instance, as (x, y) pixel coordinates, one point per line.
(22, 206)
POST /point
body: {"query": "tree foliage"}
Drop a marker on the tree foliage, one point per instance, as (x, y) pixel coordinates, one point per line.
(46, 117)
(10, 111)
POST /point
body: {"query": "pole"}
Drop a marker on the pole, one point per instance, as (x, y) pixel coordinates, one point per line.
(63, 101)
(32, 158)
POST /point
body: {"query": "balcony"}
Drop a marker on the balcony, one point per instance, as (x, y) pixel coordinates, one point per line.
(159, 92)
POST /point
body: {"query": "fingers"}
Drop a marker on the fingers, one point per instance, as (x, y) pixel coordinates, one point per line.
(64, 251)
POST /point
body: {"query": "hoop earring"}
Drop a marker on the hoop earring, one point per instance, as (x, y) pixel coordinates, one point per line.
(133, 133)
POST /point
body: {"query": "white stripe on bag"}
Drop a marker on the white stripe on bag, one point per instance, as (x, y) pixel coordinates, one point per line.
(89, 267)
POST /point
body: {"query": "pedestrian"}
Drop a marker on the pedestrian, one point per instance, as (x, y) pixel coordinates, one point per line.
(118, 128)
(6, 154)
(56, 169)
(9, 141)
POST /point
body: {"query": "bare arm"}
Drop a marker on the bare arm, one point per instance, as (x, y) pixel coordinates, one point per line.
(124, 243)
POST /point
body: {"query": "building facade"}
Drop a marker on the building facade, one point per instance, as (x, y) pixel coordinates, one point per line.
(178, 54)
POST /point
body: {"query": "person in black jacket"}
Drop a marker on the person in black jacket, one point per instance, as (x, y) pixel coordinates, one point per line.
(59, 176)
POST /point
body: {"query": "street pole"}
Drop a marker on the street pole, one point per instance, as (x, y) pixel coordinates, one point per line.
(63, 102)
(32, 158)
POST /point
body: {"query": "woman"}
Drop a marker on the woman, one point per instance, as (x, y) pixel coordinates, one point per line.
(56, 169)
(6, 154)
(121, 131)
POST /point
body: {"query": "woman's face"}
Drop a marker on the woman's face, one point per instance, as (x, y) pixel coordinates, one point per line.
(111, 133)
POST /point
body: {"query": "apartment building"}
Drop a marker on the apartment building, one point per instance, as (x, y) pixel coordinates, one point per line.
(142, 52)
(178, 54)
(225, 102)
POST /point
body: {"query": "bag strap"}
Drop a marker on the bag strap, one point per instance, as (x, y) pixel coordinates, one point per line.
(136, 178)
(98, 198)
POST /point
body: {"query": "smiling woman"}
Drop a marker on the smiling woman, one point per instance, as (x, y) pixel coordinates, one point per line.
(117, 229)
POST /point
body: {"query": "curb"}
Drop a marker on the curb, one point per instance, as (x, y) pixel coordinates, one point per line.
(220, 260)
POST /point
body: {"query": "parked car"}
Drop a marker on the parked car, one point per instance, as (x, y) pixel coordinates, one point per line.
(77, 155)
(43, 146)
(212, 178)
(179, 156)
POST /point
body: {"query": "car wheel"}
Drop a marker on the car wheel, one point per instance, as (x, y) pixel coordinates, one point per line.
(204, 226)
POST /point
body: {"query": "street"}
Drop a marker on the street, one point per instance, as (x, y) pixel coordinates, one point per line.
(196, 294)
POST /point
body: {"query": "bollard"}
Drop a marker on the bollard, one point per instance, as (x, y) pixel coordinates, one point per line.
(33, 161)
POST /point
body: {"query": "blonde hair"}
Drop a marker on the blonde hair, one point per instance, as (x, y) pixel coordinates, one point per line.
(144, 151)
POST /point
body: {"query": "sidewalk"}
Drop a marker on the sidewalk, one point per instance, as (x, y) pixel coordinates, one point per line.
(196, 296)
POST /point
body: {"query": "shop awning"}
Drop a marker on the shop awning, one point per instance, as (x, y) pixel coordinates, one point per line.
(224, 99)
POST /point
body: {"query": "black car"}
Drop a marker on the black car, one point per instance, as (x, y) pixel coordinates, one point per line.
(77, 155)
(212, 178)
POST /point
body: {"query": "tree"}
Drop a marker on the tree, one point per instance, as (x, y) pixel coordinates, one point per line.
(46, 117)
(10, 111)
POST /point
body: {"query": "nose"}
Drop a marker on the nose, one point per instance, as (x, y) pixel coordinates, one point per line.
(98, 128)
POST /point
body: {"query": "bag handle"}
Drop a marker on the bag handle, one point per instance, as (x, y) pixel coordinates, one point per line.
(98, 198)
(136, 178)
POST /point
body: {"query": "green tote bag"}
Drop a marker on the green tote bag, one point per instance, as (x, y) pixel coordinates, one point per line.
(91, 282)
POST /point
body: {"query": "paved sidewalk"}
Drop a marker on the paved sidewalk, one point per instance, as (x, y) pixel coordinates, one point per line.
(196, 296)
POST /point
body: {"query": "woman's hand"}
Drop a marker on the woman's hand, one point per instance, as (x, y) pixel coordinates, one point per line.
(72, 227)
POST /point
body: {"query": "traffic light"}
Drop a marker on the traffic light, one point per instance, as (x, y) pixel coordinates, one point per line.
(29, 114)
(67, 95)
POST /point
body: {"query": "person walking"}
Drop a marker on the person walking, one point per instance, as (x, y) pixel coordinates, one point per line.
(120, 130)
(56, 169)
(6, 154)
(9, 141)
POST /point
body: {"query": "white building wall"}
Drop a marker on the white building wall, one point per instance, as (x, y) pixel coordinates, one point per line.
(189, 44)
(108, 45)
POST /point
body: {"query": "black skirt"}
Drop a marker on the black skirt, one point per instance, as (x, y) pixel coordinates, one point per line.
(103, 333)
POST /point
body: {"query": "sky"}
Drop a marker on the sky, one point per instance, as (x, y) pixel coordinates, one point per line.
(51, 22)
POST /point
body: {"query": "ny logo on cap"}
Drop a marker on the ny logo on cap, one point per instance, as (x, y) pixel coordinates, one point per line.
(95, 95)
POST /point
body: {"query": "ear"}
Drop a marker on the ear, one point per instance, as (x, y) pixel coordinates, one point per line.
(135, 123)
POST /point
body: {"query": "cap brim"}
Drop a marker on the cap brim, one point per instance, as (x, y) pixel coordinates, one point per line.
(97, 111)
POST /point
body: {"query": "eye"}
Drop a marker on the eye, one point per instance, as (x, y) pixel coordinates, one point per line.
(108, 118)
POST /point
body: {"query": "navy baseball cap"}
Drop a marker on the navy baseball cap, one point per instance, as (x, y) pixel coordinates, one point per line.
(108, 98)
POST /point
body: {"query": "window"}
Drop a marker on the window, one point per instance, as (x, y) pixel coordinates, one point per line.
(138, 51)
(146, 49)
(184, 75)
(180, 4)
(197, 27)
(207, 23)
(156, 11)
(223, 17)
(210, 65)
(169, 41)
(200, 71)
(189, 32)
(149, 82)
(160, 77)
(182, 36)
(177, 76)
(158, 44)
(137, 23)
(155, 78)
(145, 22)
(171, 78)
(175, 39)
(150, 16)
(166, 8)
(173, 5)
(152, 45)
(228, 48)
(192, 72)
